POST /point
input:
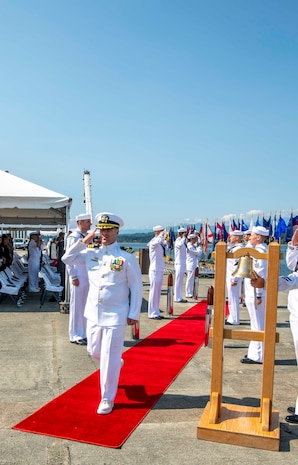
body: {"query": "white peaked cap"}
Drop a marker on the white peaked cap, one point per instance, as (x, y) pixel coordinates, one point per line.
(158, 228)
(182, 230)
(107, 220)
(260, 230)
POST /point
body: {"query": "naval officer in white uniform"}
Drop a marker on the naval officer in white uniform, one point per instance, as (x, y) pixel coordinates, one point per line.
(156, 269)
(114, 299)
(233, 283)
(180, 264)
(78, 284)
(193, 256)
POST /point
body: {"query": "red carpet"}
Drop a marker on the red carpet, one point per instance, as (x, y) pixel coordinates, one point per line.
(150, 367)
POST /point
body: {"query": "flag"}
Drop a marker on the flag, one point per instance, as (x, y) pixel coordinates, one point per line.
(280, 228)
(267, 225)
(219, 229)
(172, 238)
(224, 233)
(244, 227)
(217, 235)
(209, 233)
(234, 226)
(203, 238)
(258, 222)
(190, 229)
(274, 227)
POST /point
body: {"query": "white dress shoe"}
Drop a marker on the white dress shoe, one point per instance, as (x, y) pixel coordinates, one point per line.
(105, 407)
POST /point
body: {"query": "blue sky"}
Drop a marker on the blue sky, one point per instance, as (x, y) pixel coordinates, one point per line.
(182, 110)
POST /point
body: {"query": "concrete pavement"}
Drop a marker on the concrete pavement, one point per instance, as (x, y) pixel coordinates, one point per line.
(38, 363)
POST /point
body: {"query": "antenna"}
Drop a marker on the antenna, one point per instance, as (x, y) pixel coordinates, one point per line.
(87, 192)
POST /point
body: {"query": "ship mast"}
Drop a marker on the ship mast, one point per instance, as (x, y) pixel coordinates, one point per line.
(87, 192)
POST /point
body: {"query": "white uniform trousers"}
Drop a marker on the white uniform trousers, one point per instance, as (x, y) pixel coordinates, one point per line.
(189, 285)
(179, 275)
(33, 270)
(156, 279)
(77, 302)
(105, 344)
(233, 302)
(257, 322)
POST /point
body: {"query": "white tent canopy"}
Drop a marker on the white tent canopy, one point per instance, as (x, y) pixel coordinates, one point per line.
(25, 205)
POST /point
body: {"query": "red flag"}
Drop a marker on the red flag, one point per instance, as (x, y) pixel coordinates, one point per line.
(209, 233)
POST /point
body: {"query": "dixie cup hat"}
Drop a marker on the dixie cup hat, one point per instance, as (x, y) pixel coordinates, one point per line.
(158, 228)
(260, 230)
(83, 216)
(192, 236)
(182, 230)
(236, 232)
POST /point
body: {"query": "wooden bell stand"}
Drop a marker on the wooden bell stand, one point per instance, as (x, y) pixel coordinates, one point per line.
(256, 427)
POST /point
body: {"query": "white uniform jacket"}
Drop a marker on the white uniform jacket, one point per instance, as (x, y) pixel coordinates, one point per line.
(180, 251)
(156, 253)
(76, 270)
(193, 256)
(115, 282)
(260, 267)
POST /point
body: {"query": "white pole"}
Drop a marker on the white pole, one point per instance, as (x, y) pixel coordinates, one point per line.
(87, 192)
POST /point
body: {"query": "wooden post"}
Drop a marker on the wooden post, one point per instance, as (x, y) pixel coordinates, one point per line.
(218, 327)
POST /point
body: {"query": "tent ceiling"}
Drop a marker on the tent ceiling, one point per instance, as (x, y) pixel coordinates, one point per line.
(24, 205)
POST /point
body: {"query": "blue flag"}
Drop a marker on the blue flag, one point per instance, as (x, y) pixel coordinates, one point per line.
(244, 227)
(281, 228)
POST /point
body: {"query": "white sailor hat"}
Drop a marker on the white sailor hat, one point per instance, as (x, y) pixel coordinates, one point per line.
(192, 236)
(248, 231)
(260, 230)
(83, 216)
(182, 230)
(158, 228)
(107, 220)
(236, 232)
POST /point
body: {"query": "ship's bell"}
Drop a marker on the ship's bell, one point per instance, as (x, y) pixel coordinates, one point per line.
(245, 268)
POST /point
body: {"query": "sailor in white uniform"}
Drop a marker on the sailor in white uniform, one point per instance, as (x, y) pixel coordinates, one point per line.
(289, 283)
(78, 284)
(193, 256)
(156, 269)
(34, 256)
(233, 283)
(114, 299)
(255, 298)
(180, 263)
